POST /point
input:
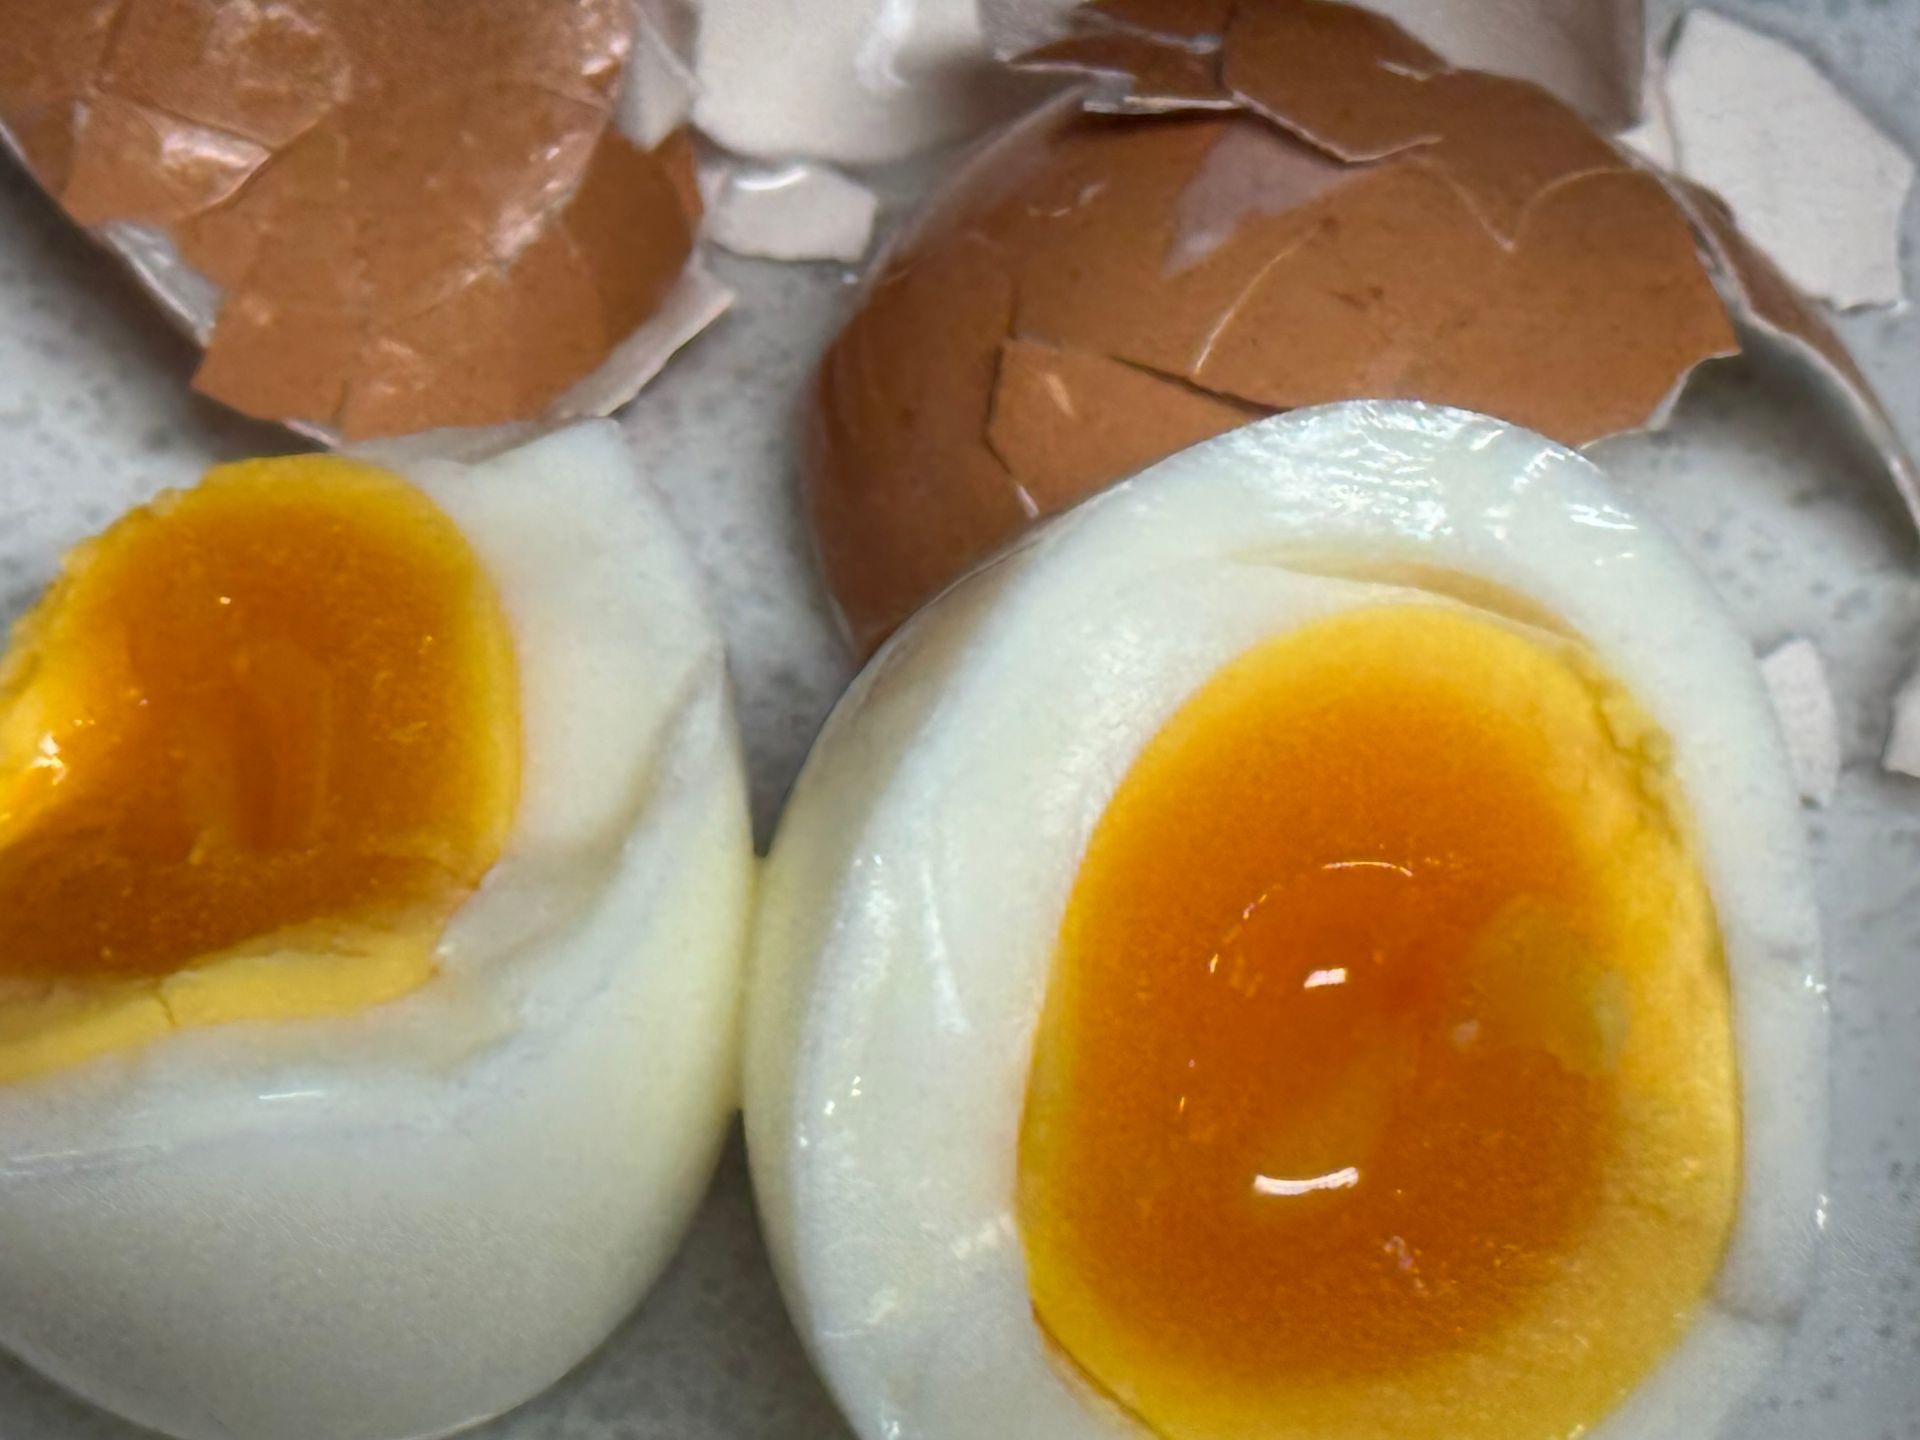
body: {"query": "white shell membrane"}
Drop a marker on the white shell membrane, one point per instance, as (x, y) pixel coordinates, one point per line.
(916, 886)
(404, 1221)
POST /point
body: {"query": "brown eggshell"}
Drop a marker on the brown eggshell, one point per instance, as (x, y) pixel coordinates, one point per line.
(52, 49)
(1176, 19)
(1363, 96)
(1389, 265)
(901, 427)
(1101, 224)
(1097, 291)
(1596, 257)
(1374, 92)
(1065, 422)
(410, 215)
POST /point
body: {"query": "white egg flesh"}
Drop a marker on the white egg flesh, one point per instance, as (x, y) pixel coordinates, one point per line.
(374, 883)
(1316, 942)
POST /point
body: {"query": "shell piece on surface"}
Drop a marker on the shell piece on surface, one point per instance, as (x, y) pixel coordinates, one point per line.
(1802, 698)
(1902, 754)
(1812, 181)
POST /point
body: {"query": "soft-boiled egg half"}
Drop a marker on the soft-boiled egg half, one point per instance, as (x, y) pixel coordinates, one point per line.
(374, 886)
(1315, 942)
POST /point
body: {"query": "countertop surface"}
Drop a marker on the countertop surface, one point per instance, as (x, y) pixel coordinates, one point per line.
(1773, 496)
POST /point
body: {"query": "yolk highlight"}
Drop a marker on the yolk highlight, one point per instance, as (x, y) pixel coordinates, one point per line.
(256, 744)
(1384, 1084)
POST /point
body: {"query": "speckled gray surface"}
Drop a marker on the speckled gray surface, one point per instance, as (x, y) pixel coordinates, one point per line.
(1792, 522)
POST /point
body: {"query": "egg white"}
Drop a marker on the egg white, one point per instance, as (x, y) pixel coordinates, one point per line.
(915, 889)
(401, 1222)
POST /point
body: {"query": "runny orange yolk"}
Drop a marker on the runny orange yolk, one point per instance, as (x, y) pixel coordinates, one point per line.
(1384, 1084)
(257, 742)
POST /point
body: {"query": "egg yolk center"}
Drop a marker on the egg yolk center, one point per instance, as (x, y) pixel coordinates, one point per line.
(1384, 1083)
(257, 743)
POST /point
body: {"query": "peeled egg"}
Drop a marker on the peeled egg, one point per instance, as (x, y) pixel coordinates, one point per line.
(374, 882)
(1315, 941)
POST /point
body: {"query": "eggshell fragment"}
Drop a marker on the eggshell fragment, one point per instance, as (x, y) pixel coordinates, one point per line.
(656, 94)
(1812, 181)
(798, 211)
(1365, 220)
(1802, 698)
(378, 218)
(1902, 754)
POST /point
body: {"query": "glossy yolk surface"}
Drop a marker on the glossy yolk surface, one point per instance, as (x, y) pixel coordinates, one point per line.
(256, 743)
(1384, 1084)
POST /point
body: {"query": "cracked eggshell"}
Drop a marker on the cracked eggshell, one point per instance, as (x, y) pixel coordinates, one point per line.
(1096, 291)
(1588, 53)
(865, 82)
(378, 220)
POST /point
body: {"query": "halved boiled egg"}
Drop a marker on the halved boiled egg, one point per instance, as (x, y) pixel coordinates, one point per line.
(1316, 942)
(374, 882)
